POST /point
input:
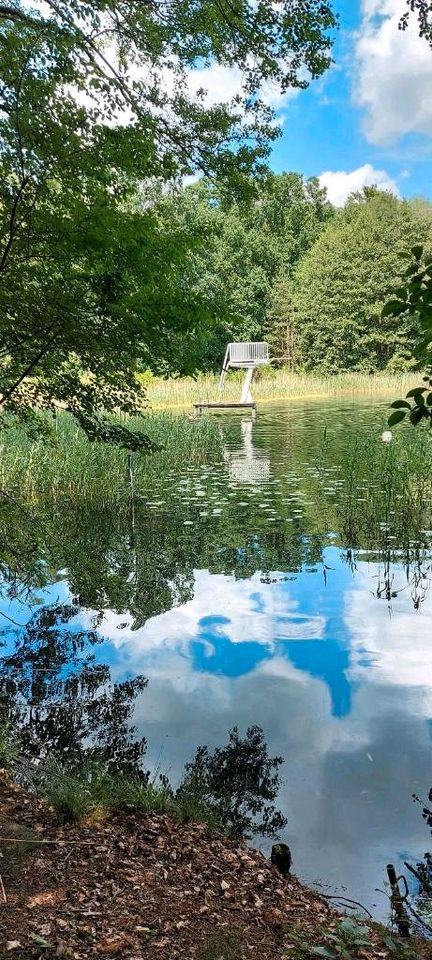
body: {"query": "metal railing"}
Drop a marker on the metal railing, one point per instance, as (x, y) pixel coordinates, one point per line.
(248, 352)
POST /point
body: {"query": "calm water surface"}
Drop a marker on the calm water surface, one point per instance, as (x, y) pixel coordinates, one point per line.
(232, 587)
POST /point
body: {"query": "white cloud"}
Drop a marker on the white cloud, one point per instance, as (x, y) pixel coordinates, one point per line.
(340, 184)
(222, 83)
(393, 74)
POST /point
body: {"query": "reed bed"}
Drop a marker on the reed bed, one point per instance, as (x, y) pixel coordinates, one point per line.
(272, 385)
(71, 466)
(387, 492)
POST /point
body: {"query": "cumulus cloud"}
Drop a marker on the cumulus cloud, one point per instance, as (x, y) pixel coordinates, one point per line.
(340, 184)
(222, 83)
(393, 74)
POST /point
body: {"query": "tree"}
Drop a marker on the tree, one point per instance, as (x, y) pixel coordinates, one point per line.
(241, 250)
(343, 282)
(95, 102)
(60, 703)
(238, 783)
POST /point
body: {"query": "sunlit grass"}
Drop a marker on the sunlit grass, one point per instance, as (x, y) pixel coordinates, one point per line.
(270, 384)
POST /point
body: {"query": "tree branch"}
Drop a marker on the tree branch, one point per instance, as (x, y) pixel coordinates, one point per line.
(12, 13)
(31, 366)
(13, 226)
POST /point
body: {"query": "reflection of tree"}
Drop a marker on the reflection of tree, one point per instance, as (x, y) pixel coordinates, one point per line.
(23, 550)
(152, 571)
(59, 701)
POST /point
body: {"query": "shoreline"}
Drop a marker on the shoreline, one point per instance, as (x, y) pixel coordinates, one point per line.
(132, 885)
(278, 387)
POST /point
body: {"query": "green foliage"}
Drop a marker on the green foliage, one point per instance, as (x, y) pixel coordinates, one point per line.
(238, 783)
(413, 299)
(91, 281)
(344, 281)
(242, 249)
(343, 942)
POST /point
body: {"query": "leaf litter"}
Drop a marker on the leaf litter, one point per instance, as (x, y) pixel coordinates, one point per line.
(133, 886)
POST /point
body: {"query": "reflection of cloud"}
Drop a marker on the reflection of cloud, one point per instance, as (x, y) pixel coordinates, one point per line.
(347, 783)
(348, 778)
(393, 650)
(253, 613)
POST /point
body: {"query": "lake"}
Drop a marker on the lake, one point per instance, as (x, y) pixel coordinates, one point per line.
(262, 589)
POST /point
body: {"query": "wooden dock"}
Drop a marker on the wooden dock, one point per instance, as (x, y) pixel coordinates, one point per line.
(223, 405)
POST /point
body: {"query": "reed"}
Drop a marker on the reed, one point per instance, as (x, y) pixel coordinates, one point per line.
(387, 493)
(272, 385)
(70, 465)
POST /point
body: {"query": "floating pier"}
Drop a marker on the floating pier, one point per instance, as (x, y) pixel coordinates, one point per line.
(224, 405)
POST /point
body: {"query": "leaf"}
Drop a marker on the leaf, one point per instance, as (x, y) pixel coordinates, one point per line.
(417, 415)
(417, 251)
(400, 404)
(416, 391)
(396, 417)
(393, 308)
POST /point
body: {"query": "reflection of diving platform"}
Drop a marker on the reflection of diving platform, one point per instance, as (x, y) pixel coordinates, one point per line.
(247, 464)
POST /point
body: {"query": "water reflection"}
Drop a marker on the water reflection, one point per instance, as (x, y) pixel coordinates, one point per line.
(246, 464)
(256, 590)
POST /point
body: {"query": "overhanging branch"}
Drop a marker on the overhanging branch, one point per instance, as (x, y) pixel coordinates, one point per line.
(12, 13)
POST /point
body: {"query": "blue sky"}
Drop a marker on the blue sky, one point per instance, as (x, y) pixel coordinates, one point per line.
(370, 118)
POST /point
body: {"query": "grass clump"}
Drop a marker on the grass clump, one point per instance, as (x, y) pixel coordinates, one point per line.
(9, 750)
(387, 491)
(93, 791)
(232, 789)
(70, 465)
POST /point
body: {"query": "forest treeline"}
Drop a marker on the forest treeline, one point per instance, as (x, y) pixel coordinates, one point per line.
(309, 278)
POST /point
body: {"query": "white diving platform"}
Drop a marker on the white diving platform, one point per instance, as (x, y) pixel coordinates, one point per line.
(247, 355)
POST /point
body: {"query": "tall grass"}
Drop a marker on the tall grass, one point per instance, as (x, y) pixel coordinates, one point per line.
(271, 384)
(71, 465)
(387, 492)
(94, 791)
